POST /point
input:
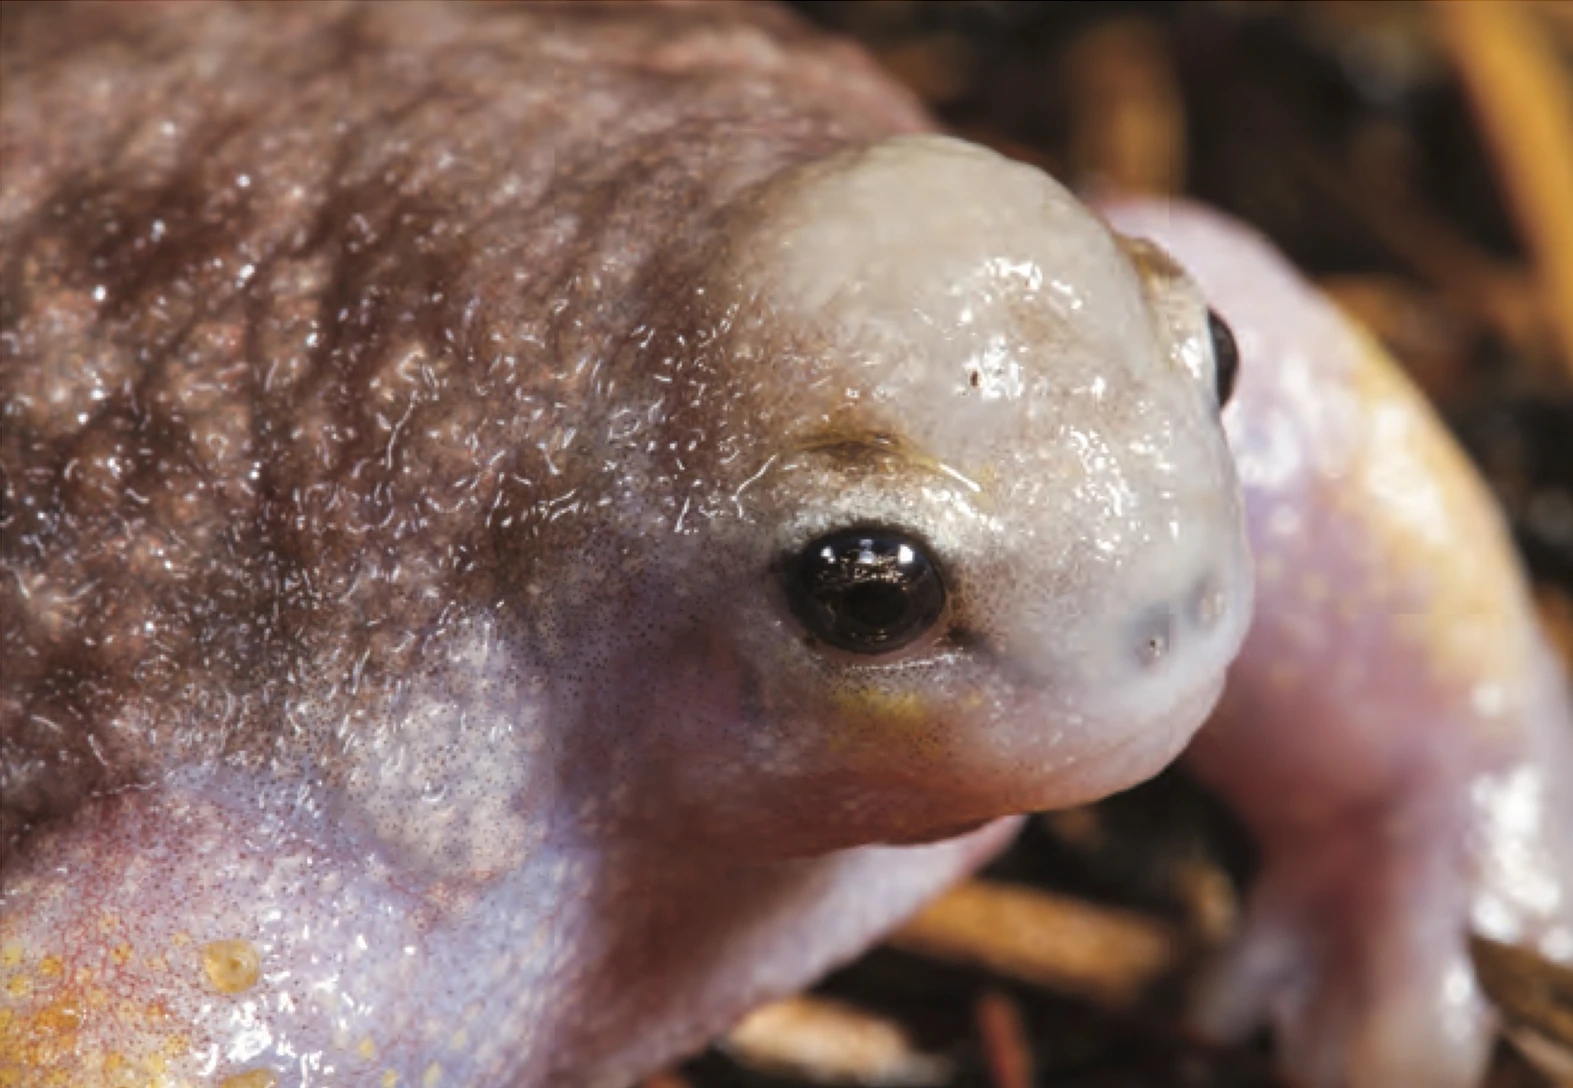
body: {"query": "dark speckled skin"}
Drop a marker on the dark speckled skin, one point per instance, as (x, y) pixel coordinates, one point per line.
(327, 317)
(310, 315)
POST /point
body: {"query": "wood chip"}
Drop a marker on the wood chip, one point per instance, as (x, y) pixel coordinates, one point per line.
(664, 1080)
(1006, 1052)
(828, 1042)
(1535, 998)
(1127, 114)
(1105, 954)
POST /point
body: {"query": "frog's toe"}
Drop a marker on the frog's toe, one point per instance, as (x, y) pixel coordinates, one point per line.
(1357, 958)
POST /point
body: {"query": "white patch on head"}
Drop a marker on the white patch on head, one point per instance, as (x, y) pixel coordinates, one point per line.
(958, 275)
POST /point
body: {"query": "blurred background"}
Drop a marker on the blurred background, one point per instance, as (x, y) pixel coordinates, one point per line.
(1416, 160)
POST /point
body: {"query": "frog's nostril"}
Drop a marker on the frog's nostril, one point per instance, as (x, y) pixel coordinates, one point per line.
(1160, 630)
(1154, 635)
(1207, 602)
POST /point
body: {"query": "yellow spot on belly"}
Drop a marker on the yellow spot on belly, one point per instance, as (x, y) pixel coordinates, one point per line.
(367, 1048)
(12, 955)
(57, 1020)
(432, 1077)
(252, 1078)
(118, 1071)
(389, 1079)
(50, 967)
(231, 966)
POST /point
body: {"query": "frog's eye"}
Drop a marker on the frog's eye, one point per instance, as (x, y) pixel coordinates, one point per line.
(868, 591)
(1226, 356)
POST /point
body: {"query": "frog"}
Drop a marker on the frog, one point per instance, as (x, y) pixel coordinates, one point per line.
(530, 530)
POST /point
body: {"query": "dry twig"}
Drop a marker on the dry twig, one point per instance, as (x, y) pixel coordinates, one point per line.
(1108, 955)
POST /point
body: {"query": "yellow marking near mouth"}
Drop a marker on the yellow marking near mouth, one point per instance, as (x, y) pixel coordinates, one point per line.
(882, 709)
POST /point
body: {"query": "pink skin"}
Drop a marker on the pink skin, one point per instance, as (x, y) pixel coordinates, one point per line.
(1395, 729)
(403, 412)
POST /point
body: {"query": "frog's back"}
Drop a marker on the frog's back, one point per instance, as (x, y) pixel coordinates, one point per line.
(339, 287)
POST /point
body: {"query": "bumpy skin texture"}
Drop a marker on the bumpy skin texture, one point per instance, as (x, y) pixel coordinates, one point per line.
(407, 411)
(1396, 730)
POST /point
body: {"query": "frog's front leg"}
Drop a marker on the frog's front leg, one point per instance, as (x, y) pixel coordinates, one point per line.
(1395, 731)
(221, 929)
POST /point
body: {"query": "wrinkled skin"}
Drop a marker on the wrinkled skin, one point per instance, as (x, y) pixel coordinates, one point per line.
(408, 412)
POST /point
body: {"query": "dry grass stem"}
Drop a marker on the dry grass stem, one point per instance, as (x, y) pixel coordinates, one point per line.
(1108, 955)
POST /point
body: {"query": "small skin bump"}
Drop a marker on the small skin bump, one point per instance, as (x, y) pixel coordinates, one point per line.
(1208, 603)
(231, 966)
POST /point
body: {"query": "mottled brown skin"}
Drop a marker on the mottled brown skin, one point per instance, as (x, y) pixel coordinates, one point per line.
(310, 316)
(238, 292)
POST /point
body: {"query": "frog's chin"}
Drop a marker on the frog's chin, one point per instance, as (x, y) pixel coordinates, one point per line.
(1129, 754)
(1014, 783)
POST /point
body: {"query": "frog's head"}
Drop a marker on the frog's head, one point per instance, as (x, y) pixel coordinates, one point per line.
(939, 494)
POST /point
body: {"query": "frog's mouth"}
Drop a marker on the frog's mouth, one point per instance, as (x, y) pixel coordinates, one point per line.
(941, 833)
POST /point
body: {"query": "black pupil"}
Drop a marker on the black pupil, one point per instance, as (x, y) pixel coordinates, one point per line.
(869, 591)
(1226, 356)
